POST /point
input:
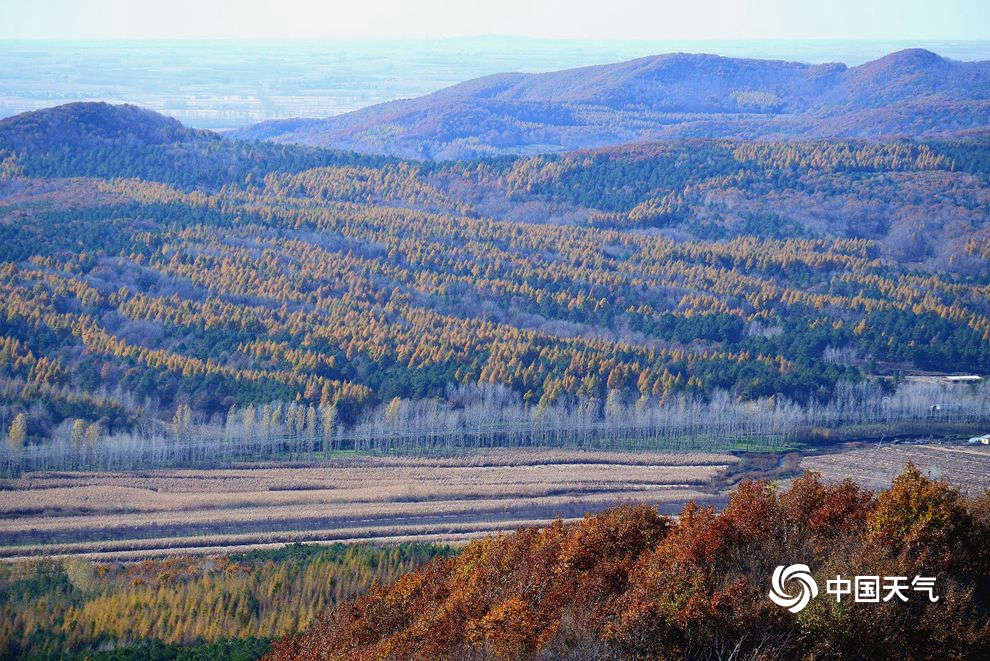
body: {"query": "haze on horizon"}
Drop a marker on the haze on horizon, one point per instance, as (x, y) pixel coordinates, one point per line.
(300, 58)
(560, 19)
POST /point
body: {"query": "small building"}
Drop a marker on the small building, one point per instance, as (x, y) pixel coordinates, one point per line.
(943, 378)
(962, 378)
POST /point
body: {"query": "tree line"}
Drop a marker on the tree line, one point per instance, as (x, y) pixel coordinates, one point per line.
(471, 417)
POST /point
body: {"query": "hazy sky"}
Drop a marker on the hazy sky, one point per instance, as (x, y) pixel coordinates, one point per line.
(582, 19)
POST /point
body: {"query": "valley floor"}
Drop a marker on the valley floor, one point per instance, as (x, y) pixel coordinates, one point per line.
(154, 513)
(149, 513)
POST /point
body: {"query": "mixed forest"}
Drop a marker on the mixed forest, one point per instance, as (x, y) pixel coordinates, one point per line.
(628, 583)
(169, 294)
(225, 343)
(624, 583)
(228, 606)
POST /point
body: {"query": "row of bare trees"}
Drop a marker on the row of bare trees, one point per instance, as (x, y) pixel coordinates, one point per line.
(492, 415)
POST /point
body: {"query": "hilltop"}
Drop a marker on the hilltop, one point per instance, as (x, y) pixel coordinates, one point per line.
(96, 139)
(911, 93)
(88, 125)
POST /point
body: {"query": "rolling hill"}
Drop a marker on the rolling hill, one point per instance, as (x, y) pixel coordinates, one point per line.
(86, 125)
(207, 275)
(95, 139)
(911, 93)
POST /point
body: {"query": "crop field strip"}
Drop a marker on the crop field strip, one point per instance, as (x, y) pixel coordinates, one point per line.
(453, 534)
(873, 466)
(450, 499)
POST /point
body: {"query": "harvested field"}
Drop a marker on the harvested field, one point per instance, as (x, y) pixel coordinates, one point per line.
(142, 514)
(147, 513)
(874, 466)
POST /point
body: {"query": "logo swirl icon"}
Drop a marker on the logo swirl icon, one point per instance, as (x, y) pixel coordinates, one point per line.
(802, 575)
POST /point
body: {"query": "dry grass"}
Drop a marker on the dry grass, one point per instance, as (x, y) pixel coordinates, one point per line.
(244, 541)
(874, 466)
(450, 498)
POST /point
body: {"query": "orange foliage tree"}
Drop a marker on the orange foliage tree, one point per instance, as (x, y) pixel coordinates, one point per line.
(629, 583)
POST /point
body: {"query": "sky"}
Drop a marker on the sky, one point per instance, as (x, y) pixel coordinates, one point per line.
(565, 19)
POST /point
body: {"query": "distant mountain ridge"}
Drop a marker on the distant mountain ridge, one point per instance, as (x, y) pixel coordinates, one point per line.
(911, 93)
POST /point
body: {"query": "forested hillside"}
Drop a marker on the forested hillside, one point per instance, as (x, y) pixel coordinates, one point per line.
(628, 583)
(206, 607)
(104, 140)
(910, 93)
(315, 300)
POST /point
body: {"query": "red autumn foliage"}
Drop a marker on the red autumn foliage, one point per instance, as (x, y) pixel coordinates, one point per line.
(629, 583)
